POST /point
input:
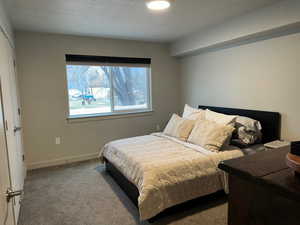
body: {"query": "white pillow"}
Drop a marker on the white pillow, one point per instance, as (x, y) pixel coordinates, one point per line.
(210, 135)
(179, 127)
(220, 118)
(193, 113)
(249, 123)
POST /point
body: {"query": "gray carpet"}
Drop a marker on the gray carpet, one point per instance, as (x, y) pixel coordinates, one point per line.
(83, 194)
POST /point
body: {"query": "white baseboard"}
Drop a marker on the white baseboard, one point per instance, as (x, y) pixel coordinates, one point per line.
(61, 161)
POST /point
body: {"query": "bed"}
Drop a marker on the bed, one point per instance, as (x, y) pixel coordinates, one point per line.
(157, 171)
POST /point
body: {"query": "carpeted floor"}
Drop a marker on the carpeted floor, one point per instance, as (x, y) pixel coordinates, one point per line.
(83, 194)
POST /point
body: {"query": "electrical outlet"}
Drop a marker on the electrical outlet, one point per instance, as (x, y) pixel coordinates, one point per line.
(57, 140)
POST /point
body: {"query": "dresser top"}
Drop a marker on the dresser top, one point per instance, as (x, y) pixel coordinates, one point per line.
(266, 168)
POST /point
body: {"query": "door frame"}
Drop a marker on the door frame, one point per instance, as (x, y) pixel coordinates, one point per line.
(10, 207)
(8, 88)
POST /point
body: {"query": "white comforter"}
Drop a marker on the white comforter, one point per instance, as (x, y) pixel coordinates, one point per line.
(167, 171)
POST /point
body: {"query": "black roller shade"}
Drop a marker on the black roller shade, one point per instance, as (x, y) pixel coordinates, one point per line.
(106, 59)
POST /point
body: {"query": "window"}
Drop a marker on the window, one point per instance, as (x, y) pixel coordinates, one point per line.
(107, 85)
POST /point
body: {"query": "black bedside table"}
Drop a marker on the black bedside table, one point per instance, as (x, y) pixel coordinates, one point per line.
(254, 149)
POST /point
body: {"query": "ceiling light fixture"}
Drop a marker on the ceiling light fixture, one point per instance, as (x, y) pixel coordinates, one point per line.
(158, 4)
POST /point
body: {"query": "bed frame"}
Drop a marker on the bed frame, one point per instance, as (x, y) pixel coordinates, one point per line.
(270, 121)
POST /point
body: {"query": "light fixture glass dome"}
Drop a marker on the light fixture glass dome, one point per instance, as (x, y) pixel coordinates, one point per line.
(158, 4)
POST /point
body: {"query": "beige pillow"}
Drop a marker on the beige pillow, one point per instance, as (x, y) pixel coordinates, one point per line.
(220, 118)
(179, 127)
(210, 135)
(193, 113)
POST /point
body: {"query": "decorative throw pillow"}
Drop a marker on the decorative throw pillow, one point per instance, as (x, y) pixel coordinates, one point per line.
(179, 127)
(248, 130)
(220, 118)
(210, 135)
(193, 113)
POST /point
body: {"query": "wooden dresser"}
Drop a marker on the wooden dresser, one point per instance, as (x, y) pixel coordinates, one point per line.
(263, 190)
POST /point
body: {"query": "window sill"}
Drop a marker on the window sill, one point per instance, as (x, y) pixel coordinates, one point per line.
(97, 117)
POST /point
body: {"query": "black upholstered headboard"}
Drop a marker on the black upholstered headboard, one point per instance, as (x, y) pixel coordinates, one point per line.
(270, 121)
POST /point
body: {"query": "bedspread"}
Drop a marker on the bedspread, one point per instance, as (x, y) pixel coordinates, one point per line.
(167, 171)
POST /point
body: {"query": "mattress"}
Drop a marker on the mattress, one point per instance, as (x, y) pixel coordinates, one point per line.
(167, 171)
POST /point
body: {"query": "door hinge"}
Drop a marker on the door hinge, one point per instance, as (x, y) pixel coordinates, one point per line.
(19, 111)
(23, 157)
(11, 194)
(6, 125)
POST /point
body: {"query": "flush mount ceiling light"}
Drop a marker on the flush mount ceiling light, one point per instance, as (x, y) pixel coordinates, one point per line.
(158, 4)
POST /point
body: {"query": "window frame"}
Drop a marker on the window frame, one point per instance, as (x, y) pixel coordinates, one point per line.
(115, 61)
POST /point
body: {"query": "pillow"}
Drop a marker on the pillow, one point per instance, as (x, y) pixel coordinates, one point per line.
(228, 140)
(193, 113)
(210, 135)
(248, 130)
(220, 118)
(248, 122)
(179, 127)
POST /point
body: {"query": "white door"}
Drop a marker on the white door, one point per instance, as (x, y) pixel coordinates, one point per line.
(6, 208)
(12, 120)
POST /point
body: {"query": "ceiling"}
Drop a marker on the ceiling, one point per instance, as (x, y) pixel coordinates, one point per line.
(128, 19)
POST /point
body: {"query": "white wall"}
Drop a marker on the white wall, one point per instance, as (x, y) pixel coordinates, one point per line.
(5, 23)
(283, 16)
(42, 78)
(264, 75)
